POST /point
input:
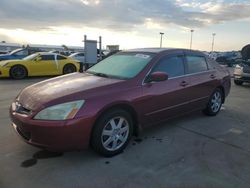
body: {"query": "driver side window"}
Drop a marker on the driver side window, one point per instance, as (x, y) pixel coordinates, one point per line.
(47, 57)
(173, 66)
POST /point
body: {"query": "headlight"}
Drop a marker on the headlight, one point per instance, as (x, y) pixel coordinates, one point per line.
(61, 111)
(238, 67)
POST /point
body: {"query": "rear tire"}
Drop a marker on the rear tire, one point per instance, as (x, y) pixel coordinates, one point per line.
(112, 133)
(69, 68)
(214, 104)
(238, 82)
(18, 72)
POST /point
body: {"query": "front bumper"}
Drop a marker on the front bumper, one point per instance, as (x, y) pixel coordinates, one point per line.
(245, 77)
(4, 72)
(53, 135)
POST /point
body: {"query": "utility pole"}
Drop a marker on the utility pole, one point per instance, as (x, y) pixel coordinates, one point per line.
(161, 39)
(213, 41)
(191, 40)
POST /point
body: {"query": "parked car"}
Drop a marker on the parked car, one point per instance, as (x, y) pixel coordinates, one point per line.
(242, 73)
(19, 53)
(242, 69)
(38, 64)
(79, 56)
(3, 52)
(111, 53)
(224, 60)
(117, 97)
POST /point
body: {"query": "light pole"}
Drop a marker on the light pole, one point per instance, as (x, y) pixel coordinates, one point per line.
(213, 41)
(161, 39)
(191, 40)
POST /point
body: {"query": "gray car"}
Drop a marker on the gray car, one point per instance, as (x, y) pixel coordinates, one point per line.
(242, 73)
(81, 58)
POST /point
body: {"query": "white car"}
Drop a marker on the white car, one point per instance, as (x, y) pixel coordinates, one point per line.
(78, 56)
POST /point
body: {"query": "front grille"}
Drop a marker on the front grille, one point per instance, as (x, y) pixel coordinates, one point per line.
(26, 135)
(246, 69)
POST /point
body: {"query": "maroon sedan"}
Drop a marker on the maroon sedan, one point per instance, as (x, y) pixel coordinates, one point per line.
(117, 97)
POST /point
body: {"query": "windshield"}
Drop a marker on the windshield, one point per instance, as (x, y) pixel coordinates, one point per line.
(74, 54)
(30, 57)
(124, 65)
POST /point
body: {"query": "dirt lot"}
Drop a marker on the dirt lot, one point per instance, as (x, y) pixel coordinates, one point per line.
(191, 151)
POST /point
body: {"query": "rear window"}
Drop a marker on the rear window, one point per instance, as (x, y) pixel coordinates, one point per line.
(59, 57)
(81, 54)
(196, 64)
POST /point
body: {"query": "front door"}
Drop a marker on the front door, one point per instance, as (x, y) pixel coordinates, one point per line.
(44, 65)
(166, 99)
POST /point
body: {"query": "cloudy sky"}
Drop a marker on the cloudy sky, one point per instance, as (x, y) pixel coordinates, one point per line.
(129, 23)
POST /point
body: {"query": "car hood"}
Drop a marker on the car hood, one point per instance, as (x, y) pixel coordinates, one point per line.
(62, 89)
(7, 56)
(4, 55)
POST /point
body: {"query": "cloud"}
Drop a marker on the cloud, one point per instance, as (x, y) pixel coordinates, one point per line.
(118, 15)
(4, 38)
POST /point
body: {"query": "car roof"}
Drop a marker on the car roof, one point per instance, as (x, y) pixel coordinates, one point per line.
(76, 53)
(159, 50)
(151, 50)
(48, 53)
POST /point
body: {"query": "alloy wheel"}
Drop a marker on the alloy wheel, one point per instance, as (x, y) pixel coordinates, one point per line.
(18, 72)
(216, 102)
(115, 133)
(69, 69)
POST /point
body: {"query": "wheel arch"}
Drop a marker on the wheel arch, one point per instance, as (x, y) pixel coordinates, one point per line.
(27, 70)
(123, 106)
(67, 64)
(223, 93)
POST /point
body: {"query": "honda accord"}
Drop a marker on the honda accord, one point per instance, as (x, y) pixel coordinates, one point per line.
(118, 97)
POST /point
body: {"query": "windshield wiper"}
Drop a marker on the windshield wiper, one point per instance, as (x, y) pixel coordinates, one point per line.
(99, 74)
(106, 75)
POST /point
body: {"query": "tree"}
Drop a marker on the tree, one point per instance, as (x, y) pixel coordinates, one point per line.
(65, 47)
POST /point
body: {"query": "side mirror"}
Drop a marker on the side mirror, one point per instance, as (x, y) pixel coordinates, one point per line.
(39, 58)
(157, 77)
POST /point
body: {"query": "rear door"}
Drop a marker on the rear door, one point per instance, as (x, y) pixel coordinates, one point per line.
(202, 79)
(163, 100)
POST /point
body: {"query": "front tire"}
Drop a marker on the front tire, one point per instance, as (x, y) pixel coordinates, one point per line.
(69, 68)
(238, 82)
(112, 133)
(214, 104)
(18, 72)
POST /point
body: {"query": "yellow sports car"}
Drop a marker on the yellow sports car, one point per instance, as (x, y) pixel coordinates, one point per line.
(38, 64)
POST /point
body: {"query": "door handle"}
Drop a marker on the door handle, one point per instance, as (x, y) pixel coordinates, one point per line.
(212, 76)
(183, 83)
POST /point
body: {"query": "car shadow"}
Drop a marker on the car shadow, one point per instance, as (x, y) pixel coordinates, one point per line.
(42, 154)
